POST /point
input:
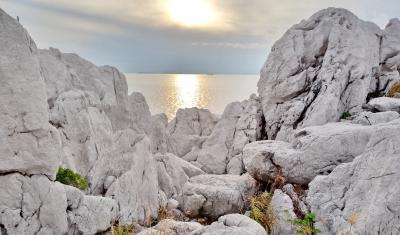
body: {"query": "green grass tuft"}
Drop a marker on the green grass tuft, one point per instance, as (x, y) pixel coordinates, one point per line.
(345, 115)
(68, 177)
(305, 226)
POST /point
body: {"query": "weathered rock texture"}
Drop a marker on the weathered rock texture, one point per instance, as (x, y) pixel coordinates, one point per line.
(57, 109)
(366, 188)
(221, 151)
(216, 195)
(29, 144)
(323, 66)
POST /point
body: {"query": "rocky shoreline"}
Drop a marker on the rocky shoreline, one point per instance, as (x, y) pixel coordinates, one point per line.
(321, 137)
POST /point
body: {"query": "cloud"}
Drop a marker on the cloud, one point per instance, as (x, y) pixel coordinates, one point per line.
(231, 44)
(139, 35)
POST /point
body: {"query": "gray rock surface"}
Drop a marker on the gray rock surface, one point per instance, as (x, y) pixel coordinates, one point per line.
(282, 207)
(221, 152)
(383, 104)
(28, 142)
(314, 150)
(172, 227)
(312, 74)
(173, 173)
(216, 195)
(89, 214)
(369, 118)
(32, 205)
(189, 129)
(232, 224)
(365, 190)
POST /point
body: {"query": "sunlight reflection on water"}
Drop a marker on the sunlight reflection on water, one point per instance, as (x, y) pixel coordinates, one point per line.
(168, 92)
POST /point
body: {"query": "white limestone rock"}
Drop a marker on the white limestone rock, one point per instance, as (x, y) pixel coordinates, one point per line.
(173, 173)
(369, 118)
(314, 151)
(93, 215)
(283, 209)
(172, 227)
(221, 152)
(383, 104)
(390, 58)
(366, 189)
(189, 129)
(158, 133)
(32, 205)
(298, 200)
(136, 189)
(28, 143)
(66, 71)
(139, 111)
(216, 195)
(232, 224)
(320, 68)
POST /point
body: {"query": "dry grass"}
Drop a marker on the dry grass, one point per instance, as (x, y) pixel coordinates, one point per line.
(278, 181)
(262, 212)
(395, 89)
(122, 230)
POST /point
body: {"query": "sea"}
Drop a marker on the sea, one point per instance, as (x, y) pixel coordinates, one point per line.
(166, 93)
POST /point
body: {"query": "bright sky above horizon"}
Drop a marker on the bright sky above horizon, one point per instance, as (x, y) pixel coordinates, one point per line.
(176, 36)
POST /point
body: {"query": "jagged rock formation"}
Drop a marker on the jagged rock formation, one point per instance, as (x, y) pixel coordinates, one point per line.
(58, 109)
(326, 65)
(221, 151)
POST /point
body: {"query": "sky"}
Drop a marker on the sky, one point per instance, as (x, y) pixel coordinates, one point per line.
(176, 36)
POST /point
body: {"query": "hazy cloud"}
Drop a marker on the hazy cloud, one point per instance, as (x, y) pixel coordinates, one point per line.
(139, 35)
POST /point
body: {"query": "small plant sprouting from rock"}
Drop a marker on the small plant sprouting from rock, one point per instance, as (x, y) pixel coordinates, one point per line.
(345, 115)
(262, 212)
(305, 226)
(67, 176)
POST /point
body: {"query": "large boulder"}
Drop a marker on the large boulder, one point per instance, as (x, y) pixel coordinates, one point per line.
(28, 142)
(32, 205)
(370, 118)
(216, 195)
(314, 150)
(324, 66)
(383, 104)
(89, 214)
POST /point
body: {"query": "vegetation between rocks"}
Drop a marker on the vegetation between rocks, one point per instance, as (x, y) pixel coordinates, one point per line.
(345, 115)
(262, 212)
(305, 226)
(68, 177)
(394, 90)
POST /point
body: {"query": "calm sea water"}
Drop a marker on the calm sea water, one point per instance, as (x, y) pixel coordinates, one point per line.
(166, 93)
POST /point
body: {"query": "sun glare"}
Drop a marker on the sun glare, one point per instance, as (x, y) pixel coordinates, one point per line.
(187, 90)
(191, 13)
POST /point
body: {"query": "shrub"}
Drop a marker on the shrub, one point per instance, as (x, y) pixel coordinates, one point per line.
(262, 212)
(67, 176)
(305, 226)
(345, 115)
(394, 90)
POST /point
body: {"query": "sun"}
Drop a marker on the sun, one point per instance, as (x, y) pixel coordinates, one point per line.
(191, 13)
